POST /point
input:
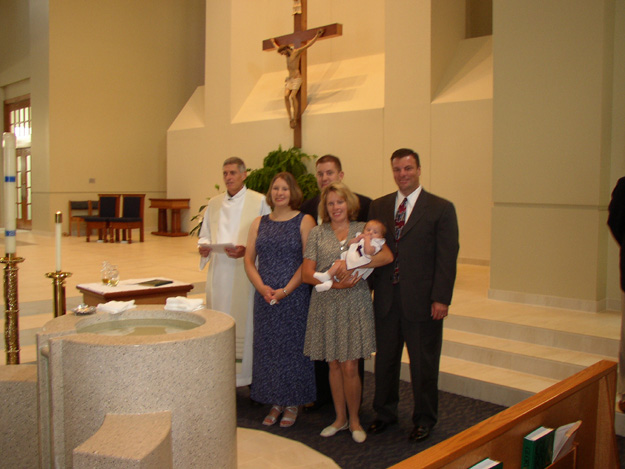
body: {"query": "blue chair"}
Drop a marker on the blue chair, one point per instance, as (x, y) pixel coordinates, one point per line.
(131, 219)
(109, 209)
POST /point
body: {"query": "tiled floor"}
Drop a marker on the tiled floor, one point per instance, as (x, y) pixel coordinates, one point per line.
(157, 256)
(177, 258)
(261, 450)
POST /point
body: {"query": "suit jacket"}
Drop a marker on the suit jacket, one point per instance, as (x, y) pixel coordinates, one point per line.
(616, 222)
(311, 207)
(427, 253)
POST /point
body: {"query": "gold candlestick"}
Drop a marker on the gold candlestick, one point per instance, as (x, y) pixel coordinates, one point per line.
(11, 311)
(58, 290)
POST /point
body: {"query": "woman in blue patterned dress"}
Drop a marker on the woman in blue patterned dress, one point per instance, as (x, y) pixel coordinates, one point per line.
(341, 327)
(281, 374)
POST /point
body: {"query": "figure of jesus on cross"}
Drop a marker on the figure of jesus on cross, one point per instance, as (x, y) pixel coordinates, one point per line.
(293, 82)
(294, 46)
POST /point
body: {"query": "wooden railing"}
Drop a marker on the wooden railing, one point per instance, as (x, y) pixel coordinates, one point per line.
(588, 396)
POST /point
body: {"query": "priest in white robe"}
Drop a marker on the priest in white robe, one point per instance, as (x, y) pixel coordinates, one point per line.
(227, 219)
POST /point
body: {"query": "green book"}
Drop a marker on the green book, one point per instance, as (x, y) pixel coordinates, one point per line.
(538, 449)
(488, 464)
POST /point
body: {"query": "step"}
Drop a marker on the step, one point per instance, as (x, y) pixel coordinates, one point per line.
(489, 383)
(541, 360)
(479, 381)
(602, 346)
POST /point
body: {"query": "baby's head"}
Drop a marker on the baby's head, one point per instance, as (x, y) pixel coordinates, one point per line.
(375, 228)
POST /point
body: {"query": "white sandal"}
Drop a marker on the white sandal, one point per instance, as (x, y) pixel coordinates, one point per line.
(272, 418)
(289, 421)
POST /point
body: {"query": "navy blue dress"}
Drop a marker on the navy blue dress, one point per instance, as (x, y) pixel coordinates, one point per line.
(281, 374)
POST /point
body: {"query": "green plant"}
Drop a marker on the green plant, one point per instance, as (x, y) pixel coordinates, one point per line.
(199, 217)
(277, 161)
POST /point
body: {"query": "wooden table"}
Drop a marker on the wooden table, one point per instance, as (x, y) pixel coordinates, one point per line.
(95, 293)
(175, 205)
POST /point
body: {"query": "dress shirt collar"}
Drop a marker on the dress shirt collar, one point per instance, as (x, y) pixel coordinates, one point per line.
(238, 195)
(412, 200)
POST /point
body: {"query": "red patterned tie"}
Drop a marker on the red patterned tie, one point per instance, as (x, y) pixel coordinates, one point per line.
(400, 221)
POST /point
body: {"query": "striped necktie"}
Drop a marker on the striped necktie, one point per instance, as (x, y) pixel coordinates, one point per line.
(400, 221)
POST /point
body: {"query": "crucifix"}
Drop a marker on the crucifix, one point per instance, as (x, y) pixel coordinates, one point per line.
(294, 46)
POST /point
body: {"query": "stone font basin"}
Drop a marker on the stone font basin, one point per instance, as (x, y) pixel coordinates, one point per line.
(141, 361)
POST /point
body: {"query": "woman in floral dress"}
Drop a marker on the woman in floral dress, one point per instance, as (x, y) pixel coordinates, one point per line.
(341, 328)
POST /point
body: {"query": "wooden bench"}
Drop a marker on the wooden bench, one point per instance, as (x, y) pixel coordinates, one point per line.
(588, 396)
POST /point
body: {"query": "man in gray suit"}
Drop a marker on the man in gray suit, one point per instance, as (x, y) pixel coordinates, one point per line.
(412, 295)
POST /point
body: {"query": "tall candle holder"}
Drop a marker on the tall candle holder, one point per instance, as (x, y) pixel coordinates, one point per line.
(11, 305)
(58, 290)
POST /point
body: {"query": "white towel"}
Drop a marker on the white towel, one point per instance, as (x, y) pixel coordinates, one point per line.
(182, 303)
(115, 307)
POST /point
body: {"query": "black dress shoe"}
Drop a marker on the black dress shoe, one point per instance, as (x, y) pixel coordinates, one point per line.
(419, 433)
(378, 426)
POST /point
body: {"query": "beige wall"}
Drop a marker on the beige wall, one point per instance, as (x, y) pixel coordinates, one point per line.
(118, 76)
(407, 93)
(14, 30)
(106, 81)
(42, 212)
(461, 170)
(552, 150)
(462, 125)
(448, 29)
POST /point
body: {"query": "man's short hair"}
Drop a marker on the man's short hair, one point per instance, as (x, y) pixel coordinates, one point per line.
(330, 159)
(235, 160)
(353, 204)
(402, 152)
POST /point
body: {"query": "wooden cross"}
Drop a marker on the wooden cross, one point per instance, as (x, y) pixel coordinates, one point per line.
(299, 37)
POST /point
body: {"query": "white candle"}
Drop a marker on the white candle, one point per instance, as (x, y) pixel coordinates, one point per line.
(58, 218)
(8, 144)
